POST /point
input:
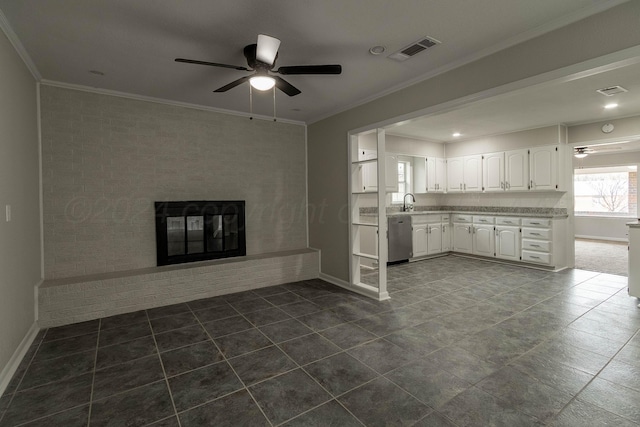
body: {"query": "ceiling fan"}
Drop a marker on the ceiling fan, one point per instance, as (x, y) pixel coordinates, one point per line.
(261, 59)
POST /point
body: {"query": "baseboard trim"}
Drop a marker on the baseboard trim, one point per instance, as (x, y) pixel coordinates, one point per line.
(605, 239)
(362, 291)
(16, 358)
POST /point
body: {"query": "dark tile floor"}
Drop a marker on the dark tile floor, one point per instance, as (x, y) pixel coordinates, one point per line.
(462, 342)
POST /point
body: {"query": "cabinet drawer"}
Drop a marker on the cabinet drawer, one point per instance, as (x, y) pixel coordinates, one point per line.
(506, 220)
(536, 245)
(536, 233)
(538, 257)
(462, 218)
(425, 219)
(536, 222)
(483, 219)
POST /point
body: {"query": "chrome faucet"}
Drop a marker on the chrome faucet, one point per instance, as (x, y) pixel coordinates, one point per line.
(406, 207)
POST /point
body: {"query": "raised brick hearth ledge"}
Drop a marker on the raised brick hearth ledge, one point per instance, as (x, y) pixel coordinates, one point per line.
(77, 299)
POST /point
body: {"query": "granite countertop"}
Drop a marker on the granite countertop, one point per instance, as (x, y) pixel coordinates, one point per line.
(474, 210)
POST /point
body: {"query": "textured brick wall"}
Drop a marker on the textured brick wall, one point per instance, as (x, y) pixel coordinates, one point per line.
(106, 160)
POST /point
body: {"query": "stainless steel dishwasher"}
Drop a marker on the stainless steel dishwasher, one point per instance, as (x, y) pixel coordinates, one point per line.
(400, 238)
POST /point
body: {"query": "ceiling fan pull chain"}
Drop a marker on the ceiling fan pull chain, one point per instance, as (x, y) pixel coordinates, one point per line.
(250, 103)
(274, 103)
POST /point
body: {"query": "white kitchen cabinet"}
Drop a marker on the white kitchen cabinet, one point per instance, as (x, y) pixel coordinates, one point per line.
(516, 166)
(464, 173)
(455, 176)
(483, 235)
(391, 172)
(436, 174)
(462, 238)
(493, 172)
(508, 242)
(506, 171)
(472, 171)
(420, 240)
(420, 175)
(434, 238)
(446, 236)
(543, 164)
(369, 171)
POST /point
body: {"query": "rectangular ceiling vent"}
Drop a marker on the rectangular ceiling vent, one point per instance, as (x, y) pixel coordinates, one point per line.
(612, 90)
(414, 48)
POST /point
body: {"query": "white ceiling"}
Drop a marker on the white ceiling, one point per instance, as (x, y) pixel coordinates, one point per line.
(134, 43)
(547, 104)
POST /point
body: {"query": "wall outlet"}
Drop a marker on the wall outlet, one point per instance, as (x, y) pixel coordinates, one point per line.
(8, 212)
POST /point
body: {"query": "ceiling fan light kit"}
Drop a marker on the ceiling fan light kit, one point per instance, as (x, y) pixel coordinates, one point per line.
(262, 83)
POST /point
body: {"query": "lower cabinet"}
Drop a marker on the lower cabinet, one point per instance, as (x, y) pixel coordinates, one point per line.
(508, 242)
(420, 245)
(434, 238)
(462, 238)
(430, 234)
(484, 240)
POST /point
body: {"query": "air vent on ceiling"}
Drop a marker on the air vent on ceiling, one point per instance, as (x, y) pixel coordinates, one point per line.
(612, 90)
(414, 48)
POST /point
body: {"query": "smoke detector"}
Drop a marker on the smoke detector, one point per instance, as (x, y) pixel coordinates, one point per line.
(612, 90)
(414, 48)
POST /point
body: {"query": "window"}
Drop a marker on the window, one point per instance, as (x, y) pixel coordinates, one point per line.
(606, 191)
(404, 181)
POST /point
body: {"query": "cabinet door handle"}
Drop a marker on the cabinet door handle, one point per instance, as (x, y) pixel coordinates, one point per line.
(535, 223)
(534, 257)
(508, 185)
(501, 184)
(465, 186)
(535, 246)
(531, 184)
(535, 234)
(461, 186)
(508, 222)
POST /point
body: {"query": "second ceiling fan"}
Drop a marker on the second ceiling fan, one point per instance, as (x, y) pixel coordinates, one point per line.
(261, 59)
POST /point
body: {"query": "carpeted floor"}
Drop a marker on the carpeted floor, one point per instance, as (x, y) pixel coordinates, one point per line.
(602, 256)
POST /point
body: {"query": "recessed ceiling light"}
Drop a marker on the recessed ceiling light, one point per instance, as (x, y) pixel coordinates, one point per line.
(377, 50)
(456, 134)
(610, 106)
(96, 72)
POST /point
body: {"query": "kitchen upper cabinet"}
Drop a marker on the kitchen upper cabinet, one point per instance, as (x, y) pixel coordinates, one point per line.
(506, 171)
(462, 238)
(369, 170)
(543, 163)
(391, 172)
(493, 172)
(508, 242)
(516, 170)
(472, 171)
(436, 174)
(464, 173)
(419, 175)
(455, 176)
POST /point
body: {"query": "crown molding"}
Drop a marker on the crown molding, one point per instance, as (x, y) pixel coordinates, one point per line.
(165, 101)
(17, 45)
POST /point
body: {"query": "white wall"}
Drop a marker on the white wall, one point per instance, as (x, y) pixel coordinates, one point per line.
(602, 228)
(20, 258)
(107, 159)
(602, 34)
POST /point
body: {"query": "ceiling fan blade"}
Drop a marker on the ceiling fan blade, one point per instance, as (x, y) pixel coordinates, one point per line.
(267, 49)
(286, 87)
(212, 64)
(233, 84)
(311, 69)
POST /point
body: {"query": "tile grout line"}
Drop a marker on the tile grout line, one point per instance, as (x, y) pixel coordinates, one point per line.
(15, 391)
(226, 360)
(164, 372)
(93, 377)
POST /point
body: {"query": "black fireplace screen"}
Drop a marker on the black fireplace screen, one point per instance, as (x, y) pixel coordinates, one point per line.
(199, 230)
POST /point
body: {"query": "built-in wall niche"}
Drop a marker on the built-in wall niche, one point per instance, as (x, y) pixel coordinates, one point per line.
(199, 230)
